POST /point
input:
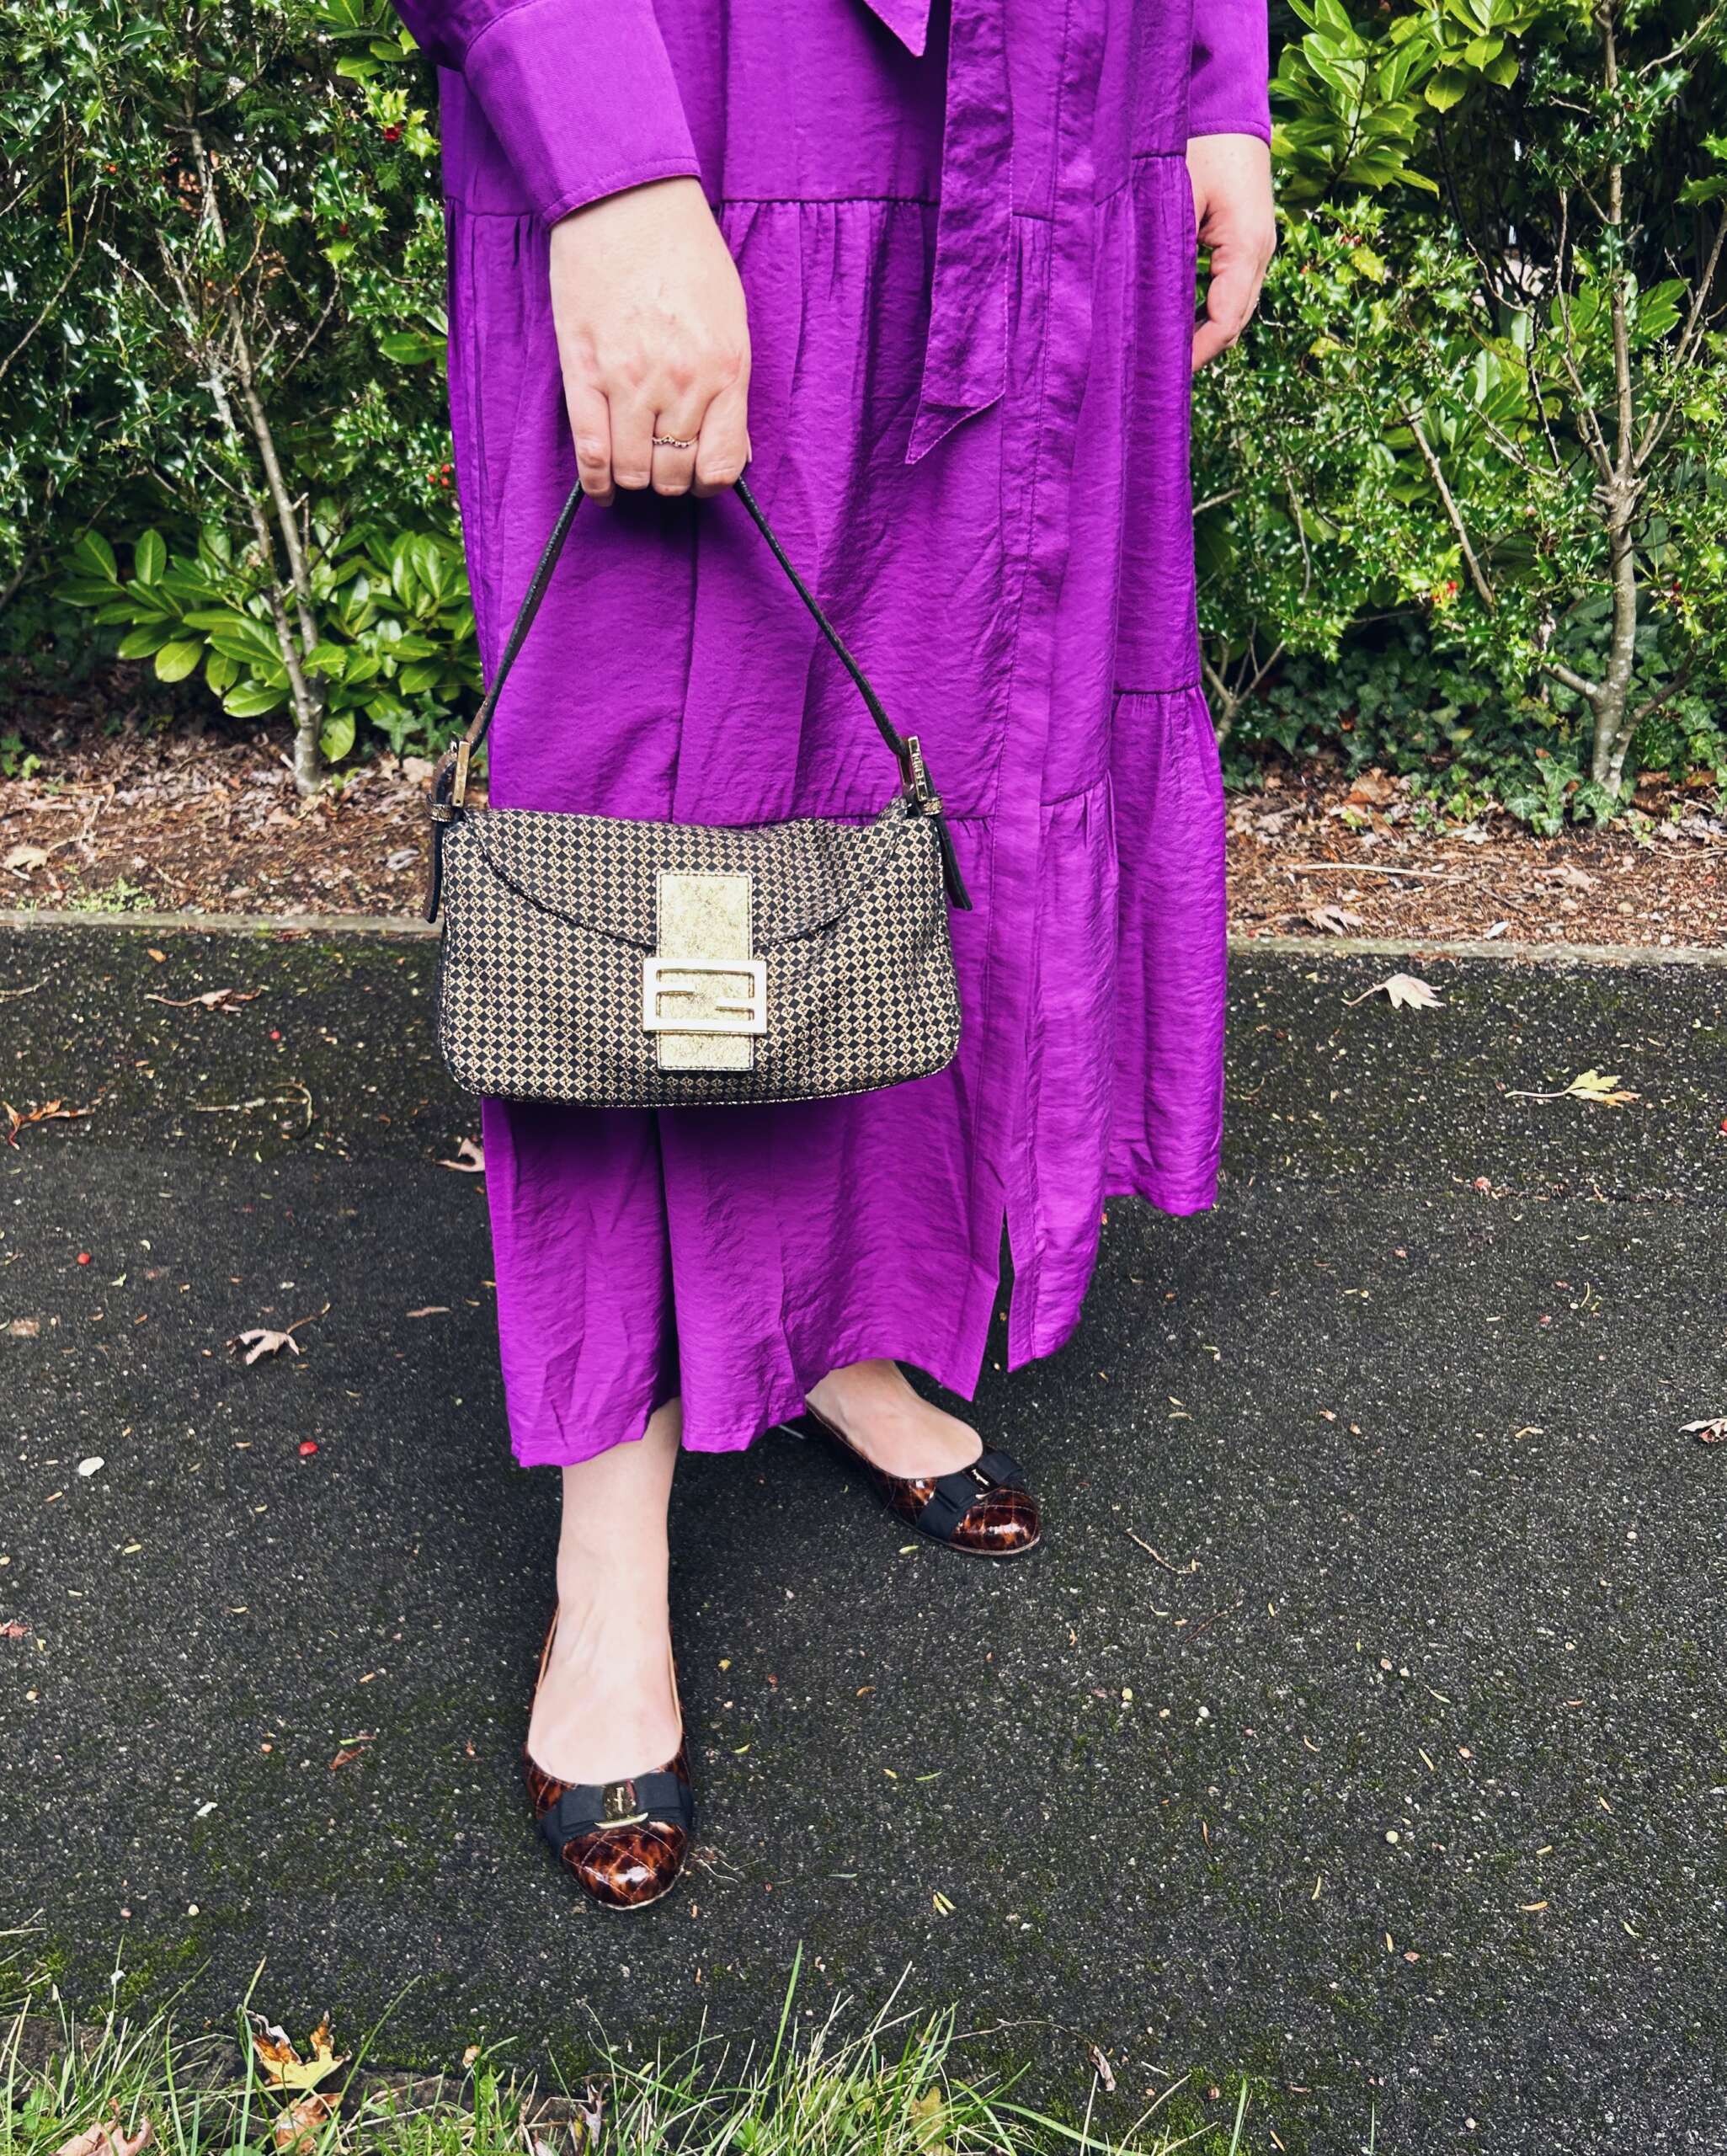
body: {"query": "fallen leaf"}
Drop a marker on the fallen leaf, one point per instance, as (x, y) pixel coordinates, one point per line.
(1567, 873)
(110, 2139)
(213, 999)
(12, 1629)
(1373, 787)
(22, 1328)
(260, 1341)
(471, 1159)
(298, 2129)
(1601, 1089)
(1713, 1432)
(1600, 1085)
(1402, 991)
(48, 1112)
(282, 2064)
(1335, 920)
(1100, 2066)
(590, 2114)
(21, 861)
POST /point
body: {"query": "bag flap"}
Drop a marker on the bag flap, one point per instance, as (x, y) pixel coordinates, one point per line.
(601, 874)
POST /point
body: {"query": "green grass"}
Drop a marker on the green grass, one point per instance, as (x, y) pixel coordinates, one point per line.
(876, 2085)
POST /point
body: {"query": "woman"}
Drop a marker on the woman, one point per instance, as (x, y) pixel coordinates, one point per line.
(931, 275)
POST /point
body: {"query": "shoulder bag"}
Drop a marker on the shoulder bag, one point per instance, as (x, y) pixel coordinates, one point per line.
(615, 963)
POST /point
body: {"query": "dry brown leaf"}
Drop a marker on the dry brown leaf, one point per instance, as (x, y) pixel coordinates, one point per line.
(1373, 788)
(22, 1328)
(21, 861)
(590, 2116)
(1402, 991)
(1335, 920)
(110, 2139)
(17, 1119)
(1101, 2067)
(471, 1159)
(213, 999)
(261, 1341)
(297, 2129)
(1711, 1432)
(12, 1629)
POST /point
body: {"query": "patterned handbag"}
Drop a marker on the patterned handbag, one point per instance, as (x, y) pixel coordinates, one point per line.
(614, 963)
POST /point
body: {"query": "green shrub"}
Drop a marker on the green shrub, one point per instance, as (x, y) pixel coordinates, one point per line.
(1461, 499)
(1486, 392)
(229, 269)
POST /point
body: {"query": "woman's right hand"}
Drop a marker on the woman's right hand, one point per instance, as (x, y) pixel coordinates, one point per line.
(653, 339)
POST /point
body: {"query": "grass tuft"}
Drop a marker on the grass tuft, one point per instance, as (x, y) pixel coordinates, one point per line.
(880, 2085)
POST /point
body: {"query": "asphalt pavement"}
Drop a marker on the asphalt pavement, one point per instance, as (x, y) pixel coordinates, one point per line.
(1361, 1727)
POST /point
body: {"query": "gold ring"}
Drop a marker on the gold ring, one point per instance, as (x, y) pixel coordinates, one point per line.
(671, 441)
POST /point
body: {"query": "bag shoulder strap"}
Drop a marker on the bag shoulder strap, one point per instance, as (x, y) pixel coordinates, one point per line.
(457, 759)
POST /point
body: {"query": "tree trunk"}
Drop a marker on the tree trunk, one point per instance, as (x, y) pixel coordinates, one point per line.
(1614, 721)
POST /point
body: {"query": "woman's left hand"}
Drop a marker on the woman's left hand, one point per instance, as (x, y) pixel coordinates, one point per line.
(1232, 208)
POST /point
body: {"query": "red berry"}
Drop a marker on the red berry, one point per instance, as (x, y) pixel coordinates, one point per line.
(308, 1446)
(273, 1034)
(83, 1257)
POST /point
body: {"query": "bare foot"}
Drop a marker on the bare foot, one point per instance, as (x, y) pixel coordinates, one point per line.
(605, 1709)
(875, 1409)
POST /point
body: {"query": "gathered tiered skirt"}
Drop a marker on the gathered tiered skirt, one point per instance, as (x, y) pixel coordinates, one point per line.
(1023, 598)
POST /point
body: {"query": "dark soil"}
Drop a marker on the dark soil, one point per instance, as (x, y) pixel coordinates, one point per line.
(117, 815)
(1318, 852)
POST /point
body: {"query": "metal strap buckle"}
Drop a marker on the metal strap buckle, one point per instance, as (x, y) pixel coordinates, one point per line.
(659, 977)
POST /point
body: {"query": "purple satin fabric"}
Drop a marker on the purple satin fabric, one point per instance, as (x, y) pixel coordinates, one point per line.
(966, 238)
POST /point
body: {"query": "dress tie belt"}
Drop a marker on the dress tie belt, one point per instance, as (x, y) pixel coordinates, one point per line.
(965, 350)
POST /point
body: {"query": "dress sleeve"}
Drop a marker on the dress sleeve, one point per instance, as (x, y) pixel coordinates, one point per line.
(580, 92)
(1227, 92)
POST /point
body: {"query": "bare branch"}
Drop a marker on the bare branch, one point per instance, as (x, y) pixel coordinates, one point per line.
(1484, 590)
(1568, 678)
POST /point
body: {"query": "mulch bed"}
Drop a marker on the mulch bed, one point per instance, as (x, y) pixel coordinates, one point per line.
(1316, 853)
(121, 817)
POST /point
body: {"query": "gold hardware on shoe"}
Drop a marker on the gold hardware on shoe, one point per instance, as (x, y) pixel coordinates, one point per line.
(703, 994)
(617, 1808)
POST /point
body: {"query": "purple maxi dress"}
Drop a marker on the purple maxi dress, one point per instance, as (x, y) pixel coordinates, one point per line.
(966, 238)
